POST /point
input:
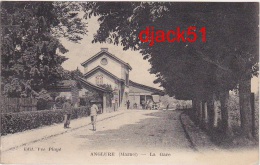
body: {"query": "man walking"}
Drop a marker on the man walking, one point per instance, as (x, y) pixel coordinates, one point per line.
(128, 104)
(93, 114)
(67, 108)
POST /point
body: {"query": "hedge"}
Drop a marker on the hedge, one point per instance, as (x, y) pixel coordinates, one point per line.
(18, 122)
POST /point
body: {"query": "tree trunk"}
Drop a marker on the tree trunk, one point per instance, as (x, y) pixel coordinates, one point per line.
(200, 106)
(252, 98)
(204, 114)
(212, 111)
(216, 112)
(245, 107)
(193, 106)
(224, 100)
(195, 109)
(199, 111)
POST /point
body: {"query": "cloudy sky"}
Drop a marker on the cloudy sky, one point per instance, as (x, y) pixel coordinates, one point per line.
(78, 53)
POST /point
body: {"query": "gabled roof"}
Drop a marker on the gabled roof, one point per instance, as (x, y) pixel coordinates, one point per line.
(110, 55)
(64, 85)
(99, 68)
(67, 83)
(155, 91)
(85, 82)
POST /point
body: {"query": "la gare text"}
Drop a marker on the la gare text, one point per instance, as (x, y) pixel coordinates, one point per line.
(178, 35)
(128, 154)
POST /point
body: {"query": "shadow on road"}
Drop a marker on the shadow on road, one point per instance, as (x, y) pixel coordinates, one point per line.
(152, 130)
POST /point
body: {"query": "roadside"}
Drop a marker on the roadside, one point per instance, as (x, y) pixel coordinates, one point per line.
(132, 137)
(198, 138)
(13, 141)
(146, 135)
(202, 140)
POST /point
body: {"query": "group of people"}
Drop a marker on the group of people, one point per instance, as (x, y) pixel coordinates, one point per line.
(67, 108)
(145, 105)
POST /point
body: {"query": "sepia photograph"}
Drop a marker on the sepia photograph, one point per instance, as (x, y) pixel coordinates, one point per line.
(129, 82)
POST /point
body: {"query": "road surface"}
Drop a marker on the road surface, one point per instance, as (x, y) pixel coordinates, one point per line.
(133, 136)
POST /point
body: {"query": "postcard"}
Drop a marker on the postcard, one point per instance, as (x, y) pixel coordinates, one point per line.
(129, 82)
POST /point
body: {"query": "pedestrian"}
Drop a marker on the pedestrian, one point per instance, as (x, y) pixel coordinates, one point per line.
(114, 104)
(76, 104)
(128, 104)
(143, 104)
(67, 108)
(93, 114)
(135, 105)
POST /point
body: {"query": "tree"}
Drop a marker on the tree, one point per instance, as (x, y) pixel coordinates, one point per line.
(75, 74)
(196, 71)
(30, 44)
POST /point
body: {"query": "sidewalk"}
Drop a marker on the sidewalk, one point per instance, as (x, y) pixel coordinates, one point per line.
(198, 138)
(13, 141)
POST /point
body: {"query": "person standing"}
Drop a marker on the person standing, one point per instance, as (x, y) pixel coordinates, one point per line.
(93, 114)
(128, 104)
(67, 108)
(76, 104)
(143, 104)
(114, 104)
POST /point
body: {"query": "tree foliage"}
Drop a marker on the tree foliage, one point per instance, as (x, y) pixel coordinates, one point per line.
(186, 70)
(195, 71)
(30, 43)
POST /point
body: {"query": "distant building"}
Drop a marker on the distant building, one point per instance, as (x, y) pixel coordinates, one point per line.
(67, 88)
(106, 68)
(139, 93)
(74, 89)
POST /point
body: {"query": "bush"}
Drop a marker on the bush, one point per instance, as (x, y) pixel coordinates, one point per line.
(59, 101)
(43, 99)
(43, 104)
(18, 122)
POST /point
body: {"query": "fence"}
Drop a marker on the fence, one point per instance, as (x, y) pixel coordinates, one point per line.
(9, 105)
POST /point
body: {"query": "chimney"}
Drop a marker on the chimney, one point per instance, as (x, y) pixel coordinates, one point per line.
(104, 49)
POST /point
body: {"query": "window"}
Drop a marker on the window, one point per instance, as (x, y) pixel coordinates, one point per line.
(99, 79)
(103, 61)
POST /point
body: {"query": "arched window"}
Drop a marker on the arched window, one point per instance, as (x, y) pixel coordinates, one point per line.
(99, 79)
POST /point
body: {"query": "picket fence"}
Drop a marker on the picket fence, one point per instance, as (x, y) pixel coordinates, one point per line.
(11, 105)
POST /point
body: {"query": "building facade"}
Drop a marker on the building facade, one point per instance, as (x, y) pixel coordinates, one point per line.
(140, 94)
(80, 88)
(106, 68)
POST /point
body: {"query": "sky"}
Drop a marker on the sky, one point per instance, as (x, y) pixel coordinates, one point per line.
(80, 52)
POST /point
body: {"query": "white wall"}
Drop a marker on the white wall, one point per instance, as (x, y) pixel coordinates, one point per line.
(134, 99)
(124, 71)
(68, 95)
(113, 66)
(106, 79)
